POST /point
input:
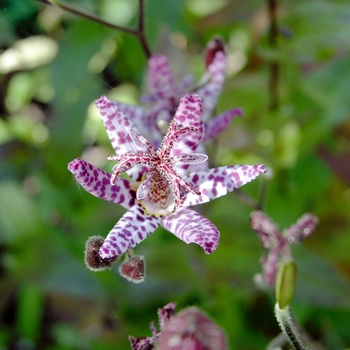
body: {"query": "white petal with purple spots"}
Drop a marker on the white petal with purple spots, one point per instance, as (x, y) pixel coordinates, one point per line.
(161, 78)
(214, 183)
(189, 114)
(191, 227)
(97, 182)
(220, 123)
(117, 126)
(137, 114)
(214, 78)
(131, 229)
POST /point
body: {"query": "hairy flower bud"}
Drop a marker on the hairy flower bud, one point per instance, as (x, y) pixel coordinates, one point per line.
(93, 260)
(134, 269)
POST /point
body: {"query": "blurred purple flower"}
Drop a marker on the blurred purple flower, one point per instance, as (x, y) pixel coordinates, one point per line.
(166, 94)
(190, 329)
(160, 188)
(278, 244)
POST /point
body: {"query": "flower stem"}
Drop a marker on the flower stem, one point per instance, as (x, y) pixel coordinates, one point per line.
(274, 66)
(247, 199)
(285, 322)
(139, 32)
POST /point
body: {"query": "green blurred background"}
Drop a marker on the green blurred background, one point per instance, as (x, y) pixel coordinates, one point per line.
(53, 65)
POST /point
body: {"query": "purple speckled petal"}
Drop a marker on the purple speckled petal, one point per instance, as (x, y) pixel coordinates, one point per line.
(269, 265)
(161, 78)
(97, 182)
(191, 227)
(213, 81)
(265, 228)
(219, 123)
(165, 314)
(131, 229)
(116, 125)
(185, 83)
(214, 183)
(138, 115)
(301, 229)
(189, 114)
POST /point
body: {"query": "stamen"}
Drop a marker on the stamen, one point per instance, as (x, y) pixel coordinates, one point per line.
(144, 188)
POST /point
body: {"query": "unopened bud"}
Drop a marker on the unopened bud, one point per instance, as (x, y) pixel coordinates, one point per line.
(285, 283)
(133, 269)
(93, 260)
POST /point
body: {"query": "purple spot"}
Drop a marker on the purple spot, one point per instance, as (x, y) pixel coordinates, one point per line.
(140, 218)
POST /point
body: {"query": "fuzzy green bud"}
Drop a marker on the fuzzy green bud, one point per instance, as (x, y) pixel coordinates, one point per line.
(285, 283)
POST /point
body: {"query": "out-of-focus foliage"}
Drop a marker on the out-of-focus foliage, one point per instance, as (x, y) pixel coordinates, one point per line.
(53, 66)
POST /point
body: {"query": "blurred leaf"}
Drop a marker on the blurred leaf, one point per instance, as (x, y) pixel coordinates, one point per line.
(29, 315)
(75, 87)
(317, 29)
(318, 283)
(329, 88)
(18, 215)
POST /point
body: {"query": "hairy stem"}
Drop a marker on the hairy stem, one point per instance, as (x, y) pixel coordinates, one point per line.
(285, 322)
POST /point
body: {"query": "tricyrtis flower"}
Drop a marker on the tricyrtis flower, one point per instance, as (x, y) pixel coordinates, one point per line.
(190, 329)
(163, 183)
(166, 94)
(278, 244)
(160, 188)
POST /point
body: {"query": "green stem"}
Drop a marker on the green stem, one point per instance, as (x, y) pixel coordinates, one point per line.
(285, 322)
(274, 66)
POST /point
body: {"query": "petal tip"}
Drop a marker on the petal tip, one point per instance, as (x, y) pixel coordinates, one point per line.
(73, 165)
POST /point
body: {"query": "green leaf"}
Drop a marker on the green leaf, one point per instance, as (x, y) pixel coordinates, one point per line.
(29, 314)
(318, 283)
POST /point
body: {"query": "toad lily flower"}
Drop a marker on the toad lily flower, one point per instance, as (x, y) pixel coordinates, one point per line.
(278, 244)
(160, 189)
(189, 329)
(166, 94)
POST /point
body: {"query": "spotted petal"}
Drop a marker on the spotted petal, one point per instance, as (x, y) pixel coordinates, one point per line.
(138, 115)
(191, 227)
(265, 228)
(97, 182)
(117, 126)
(161, 78)
(212, 83)
(216, 182)
(145, 120)
(189, 114)
(219, 123)
(131, 229)
(301, 229)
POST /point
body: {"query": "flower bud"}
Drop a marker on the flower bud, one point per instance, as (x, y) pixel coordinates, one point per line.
(285, 283)
(93, 261)
(133, 269)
